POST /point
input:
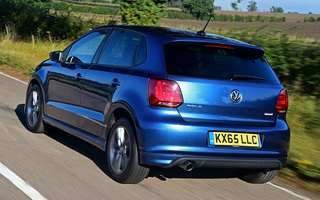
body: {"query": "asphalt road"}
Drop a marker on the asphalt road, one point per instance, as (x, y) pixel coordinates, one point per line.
(60, 166)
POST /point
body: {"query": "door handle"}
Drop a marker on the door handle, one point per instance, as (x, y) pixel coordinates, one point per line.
(115, 82)
(78, 77)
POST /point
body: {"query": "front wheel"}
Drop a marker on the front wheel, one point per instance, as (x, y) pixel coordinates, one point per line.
(34, 110)
(256, 176)
(122, 154)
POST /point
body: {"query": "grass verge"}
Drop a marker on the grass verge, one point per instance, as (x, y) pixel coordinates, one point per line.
(21, 58)
(304, 121)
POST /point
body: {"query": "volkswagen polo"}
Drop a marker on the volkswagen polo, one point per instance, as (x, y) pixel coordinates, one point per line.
(155, 96)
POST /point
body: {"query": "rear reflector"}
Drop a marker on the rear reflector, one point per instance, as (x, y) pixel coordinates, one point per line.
(282, 105)
(164, 93)
(220, 46)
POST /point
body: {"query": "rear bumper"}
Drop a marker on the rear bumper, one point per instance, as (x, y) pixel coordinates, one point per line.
(222, 162)
(166, 140)
(229, 163)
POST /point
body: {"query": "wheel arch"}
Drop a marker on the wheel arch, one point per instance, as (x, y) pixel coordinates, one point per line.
(32, 82)
(119, 110)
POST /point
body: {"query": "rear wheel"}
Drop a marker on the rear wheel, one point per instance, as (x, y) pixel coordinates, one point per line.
(34, 110)
(256, 176)
(122, 154)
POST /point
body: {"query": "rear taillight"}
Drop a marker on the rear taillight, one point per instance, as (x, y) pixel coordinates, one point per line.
(164, 93)
(282, 105)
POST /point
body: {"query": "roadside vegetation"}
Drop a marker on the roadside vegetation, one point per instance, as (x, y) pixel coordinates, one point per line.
(296, 62)
(311, 19)
(199, 14)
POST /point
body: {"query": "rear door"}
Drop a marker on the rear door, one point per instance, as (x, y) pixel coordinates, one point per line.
(105, 79)
(224, 84)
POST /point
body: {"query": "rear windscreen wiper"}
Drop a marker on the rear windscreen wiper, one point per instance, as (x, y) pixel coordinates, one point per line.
(244, 77)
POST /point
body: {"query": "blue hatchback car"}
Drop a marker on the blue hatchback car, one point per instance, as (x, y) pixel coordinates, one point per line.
(154, 96)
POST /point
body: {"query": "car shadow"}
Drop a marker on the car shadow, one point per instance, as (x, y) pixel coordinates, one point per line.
(99, 157)
(78, 145)
(20, 114)
(198, 173)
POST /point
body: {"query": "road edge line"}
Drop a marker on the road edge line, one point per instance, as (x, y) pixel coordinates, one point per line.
(19, 183)
(13, 78)
(289, 191)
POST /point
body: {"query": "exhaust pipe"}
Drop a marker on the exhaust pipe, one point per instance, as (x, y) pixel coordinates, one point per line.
(187, 165)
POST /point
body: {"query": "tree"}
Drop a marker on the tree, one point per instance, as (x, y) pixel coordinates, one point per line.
(142, 12)
(309, 19)
(235, 5)
(198, 8)
(252, 7)
(26, 17)
(276, 10)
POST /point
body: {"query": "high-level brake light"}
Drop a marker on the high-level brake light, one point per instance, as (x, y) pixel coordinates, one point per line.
(223, 46)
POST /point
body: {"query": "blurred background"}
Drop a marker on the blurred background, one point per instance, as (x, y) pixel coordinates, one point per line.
(289, 32)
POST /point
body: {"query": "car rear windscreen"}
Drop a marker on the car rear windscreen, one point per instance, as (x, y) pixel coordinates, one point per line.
(222, 62)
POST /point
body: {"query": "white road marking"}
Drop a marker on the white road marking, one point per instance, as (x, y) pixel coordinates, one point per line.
(289, 191)
(41, 197)
(13, 78)
(14, 178)
(19, 183)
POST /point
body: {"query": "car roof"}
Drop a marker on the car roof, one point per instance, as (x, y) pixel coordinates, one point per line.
(176, 35)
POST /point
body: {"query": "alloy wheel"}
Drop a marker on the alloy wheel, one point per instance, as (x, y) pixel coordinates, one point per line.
(33, 108)
(120, 148)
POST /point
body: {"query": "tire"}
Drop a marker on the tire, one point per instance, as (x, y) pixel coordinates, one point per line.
(122, 154)
(252, 176)
(34, 110)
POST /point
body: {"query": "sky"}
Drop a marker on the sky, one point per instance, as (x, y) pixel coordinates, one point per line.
(300, 6)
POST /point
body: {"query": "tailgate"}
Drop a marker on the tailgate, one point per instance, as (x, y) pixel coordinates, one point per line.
(211, 101)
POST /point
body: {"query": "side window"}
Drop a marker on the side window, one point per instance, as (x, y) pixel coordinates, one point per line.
(121, 49)
(84, 49)
(142, 52)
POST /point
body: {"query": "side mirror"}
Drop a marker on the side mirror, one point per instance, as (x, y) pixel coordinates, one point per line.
(56, 56)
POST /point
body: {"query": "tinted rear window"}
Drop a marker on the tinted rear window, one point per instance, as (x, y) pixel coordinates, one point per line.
(201, 61)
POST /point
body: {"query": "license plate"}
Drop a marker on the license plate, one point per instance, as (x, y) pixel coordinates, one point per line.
(234, 139)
